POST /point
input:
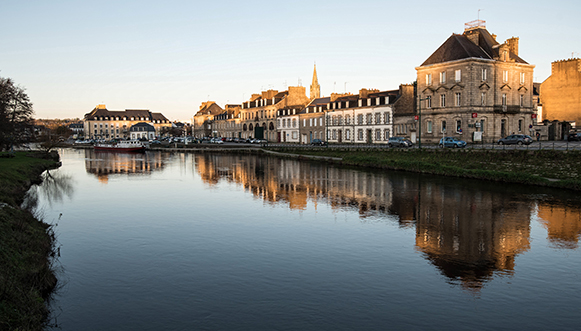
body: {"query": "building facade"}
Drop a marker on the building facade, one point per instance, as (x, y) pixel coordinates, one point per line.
(475, 89)
(366, 118)
(561, 93)
(102, 123)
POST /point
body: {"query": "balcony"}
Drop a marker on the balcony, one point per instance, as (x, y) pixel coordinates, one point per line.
(504, 109)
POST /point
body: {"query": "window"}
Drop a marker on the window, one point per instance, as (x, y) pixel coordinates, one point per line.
(360, 119)
(334, 135)
(377, 134)
(483, 98)
(386, 134)
(458, 126)
(522, 100)
(504, 99)
(443, 77)
(505, 76)
(429, 126)
(377, 118)
(457, 99)
(369, 119)
(386, 118)
(443, 126)
(347, 119)
(295, 135)
(442, 100)
(340, 120)
(348, 134)
(311, 122)
(428, 79)
(360, 134)
(305, 122)
(482, 125)
(519, 125)
(483, 74)
(429, 101)
(458, 75)
(522, 78)
(294, 122)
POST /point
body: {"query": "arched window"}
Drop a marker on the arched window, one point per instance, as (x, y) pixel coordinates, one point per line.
(271, 126)
(250, 127)
(244, 127)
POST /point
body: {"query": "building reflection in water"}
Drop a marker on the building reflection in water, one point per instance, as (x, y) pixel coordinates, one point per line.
(103, 164)
(563, 224)
(468, 232)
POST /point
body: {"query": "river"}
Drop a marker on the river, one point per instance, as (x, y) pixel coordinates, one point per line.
(161, 241)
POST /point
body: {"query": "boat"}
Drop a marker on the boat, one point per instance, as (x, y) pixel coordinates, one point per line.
(122, 146)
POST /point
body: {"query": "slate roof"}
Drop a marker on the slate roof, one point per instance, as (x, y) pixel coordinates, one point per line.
(458, 47)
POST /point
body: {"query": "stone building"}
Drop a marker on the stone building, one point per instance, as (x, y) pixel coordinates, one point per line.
(561, 93)
(102, 123)
(204, 118)
(142, 130)
(312, 123)
(363, 118)
(227, 123)
(474, 88)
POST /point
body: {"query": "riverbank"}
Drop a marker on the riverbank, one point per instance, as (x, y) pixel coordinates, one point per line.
(540, 167)
(27, 245)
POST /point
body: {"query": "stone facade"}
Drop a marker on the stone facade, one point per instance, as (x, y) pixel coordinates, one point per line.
(366, 118)
(101, 123)
(204, 119)
(475, 89)
(561, 92)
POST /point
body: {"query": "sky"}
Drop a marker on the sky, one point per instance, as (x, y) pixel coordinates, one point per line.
(170, 56)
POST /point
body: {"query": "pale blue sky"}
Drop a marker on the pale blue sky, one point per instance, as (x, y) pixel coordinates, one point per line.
(170, 56)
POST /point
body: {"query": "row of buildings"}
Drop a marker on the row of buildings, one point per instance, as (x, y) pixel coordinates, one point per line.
(472, 87)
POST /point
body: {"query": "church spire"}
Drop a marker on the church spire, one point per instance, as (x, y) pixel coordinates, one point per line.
(315, 87)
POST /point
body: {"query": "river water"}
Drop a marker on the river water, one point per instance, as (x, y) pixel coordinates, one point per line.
(161, 241)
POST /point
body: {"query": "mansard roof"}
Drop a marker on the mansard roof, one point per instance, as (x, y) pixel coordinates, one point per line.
(458, 47)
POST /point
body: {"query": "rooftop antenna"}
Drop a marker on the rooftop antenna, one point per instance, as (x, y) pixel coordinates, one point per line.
(334, 86)
(479, 13)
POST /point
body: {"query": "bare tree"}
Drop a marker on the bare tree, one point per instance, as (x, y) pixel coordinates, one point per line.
(15, 115)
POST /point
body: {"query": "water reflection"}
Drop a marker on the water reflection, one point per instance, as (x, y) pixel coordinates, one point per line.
(563, 223)
(103, 164)
(469, 232)
(55, 187)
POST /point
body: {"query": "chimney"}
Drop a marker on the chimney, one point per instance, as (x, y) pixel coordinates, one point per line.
(363, 93)
(473, 35)
(513, 45)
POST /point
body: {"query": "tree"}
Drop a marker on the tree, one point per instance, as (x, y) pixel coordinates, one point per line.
(15, 114)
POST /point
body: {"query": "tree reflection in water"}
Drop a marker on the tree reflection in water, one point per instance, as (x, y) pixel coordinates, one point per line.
(55, 187)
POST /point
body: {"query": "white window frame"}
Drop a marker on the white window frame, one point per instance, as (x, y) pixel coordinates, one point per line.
(458, 75)
(458, 99)
(443, 77)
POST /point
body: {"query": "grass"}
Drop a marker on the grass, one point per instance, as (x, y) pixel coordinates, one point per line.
(544, 167)
(26, 248)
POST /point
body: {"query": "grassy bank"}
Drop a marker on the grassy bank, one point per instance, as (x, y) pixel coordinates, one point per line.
(544, 167)
(26, 247)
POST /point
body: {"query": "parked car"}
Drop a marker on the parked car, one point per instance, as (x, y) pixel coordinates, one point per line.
(519, 139)
(216, 141)
(574, 137)
(399, 142)
(318, 142)
(452, 142)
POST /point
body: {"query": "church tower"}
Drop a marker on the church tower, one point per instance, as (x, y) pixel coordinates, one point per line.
(315, 87)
